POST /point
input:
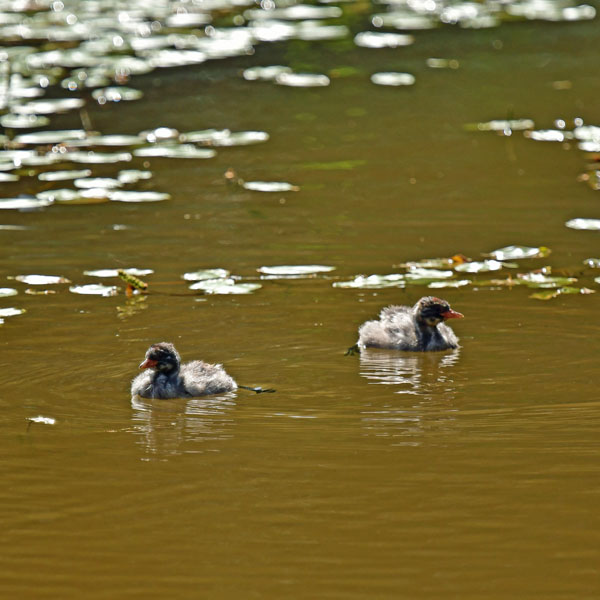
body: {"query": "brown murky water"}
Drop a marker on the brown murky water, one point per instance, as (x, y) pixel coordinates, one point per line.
(457, 475)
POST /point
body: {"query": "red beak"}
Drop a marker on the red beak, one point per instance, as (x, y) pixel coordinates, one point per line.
(148, 364)
(452, 314)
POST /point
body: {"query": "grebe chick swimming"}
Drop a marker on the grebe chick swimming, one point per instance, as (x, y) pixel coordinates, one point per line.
(419, 328)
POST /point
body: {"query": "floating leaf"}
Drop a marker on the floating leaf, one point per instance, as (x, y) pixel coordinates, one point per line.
(480, 266)
(294, 270)
(420, 273)
(375, 39)
(132, 196)
(43, 420)
(4, 292)
(115, 272)
(265, 73)
(393, 79)
(456, 283)
(129, 176)
(8, 178)
(270, 186)
(10, 121)
(64, 175)
(224, 286)
(373, 282)
(519, 252)
(11, 312)
(302, 80)
(116, 94)
(96, 158)
(547, 135)
(442, 63)
(541, 280)
(97, 182)
(33, 292)
(594, 263)
(47, 107)
(502, 125)
(115, 140)
(435, 263)
(587, 224)
(204, 274)
(174, 151)
(41, 279)
(554, 293)
(94, 289)
(51, 137)
(23, 203)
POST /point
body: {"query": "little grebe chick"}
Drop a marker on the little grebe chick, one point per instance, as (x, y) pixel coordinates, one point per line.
(165, 377)
(420, 328)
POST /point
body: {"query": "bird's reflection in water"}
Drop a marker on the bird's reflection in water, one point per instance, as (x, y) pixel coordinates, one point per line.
(427, 379)
(172, 427)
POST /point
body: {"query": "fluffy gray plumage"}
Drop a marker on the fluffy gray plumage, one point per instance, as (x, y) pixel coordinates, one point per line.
(419, 328)
(165, 377)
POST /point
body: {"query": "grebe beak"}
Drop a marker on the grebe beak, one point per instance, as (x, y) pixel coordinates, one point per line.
(452, 314)
(148, 364)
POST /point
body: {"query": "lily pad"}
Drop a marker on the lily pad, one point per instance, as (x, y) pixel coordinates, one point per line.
(376, 39)
(94, 289)
(8, 178)
(97, 182)
(265, 73)
(502, 125)
(174, 151)
(43, 420)
(51, 137)
(455, 283)
(11, 121)
(41, 279)
(5, 292)
(519, 252)
(105, 273)
(419, 274)
(64, 175)
(594, 263)
(11, 312)
(48, 107)
(302, 80)
(23, 203)
(270, 186)
(116, 94)
(205, 274)
(133, 196)
(587, 224)
(541, 280)
(479, 266)
(393, 79)
(294, 270)
(225, 286)
(129, 176)
(373, 282)
(547, 135)
(554, 293)
(96, 158)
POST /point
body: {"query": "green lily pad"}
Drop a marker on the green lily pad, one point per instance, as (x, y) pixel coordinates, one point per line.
(133, 196)
(455, 283)
(587, 224)
(205, 274)
(41, 279)
(393, 79)
(373, 282)
(95, 289)
(23, 203)
(303, 80)
(554, 293)
(541, 280)
(174, 151)
(480, 266)
(105, 273)
(265, 73)
(519, 252)
(64, 175)
(225, 286)
(270, 186)
(376, 39)
(294, 270)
